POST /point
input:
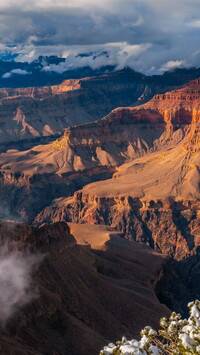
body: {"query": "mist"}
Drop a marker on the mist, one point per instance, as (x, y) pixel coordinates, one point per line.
(16, 282)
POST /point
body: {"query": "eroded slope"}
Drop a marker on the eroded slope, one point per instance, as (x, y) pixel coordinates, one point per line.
(86, 297)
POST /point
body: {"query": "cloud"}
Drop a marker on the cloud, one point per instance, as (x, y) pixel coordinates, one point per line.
(6, 75)
(195, 23)
(173, 64)
(16, 72)
(170, 28)
(114, 54)
(16, 289)
(19, 72)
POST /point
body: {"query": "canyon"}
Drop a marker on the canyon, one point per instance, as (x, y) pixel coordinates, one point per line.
(45, 111)
(153, 139)
(153, 198)
(31, 114)
(115, 202)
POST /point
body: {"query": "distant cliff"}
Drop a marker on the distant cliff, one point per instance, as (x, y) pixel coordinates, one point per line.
(43, 111)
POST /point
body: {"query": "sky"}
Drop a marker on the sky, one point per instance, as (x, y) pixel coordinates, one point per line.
(150, 36)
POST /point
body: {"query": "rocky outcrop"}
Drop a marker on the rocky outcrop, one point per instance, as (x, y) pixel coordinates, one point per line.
(193, 142)
(23, 196)
(85, 297)
(167, 226)
(31, 239)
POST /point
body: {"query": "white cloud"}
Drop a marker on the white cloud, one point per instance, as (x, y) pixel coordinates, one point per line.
(6, 75)
(16, 280)
(20, 72)
(115, 54)
(45, 4)
(173, 64)
(16, 72)
(195, 23)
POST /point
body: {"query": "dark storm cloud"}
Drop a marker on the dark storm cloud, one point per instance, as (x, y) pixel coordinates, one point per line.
(73, 25)
(167, 31)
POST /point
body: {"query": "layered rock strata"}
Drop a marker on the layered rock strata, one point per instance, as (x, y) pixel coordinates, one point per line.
(87, 152)
(33, 112)
(27, 113)
(155, 198)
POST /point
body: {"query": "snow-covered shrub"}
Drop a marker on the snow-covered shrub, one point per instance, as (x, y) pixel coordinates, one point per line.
(177, 336)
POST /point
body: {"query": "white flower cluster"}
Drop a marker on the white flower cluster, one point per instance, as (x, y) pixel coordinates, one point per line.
(177, 336)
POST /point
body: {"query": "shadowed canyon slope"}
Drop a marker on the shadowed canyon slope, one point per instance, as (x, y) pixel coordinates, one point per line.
(86, 296)
(30, 113)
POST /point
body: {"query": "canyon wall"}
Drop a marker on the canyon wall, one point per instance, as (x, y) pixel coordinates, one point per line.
(31, 113)
(158, 143)
(154, 198)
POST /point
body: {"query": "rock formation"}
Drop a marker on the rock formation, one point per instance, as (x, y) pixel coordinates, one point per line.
(45, 111)
(164, 182)
(122, 135)
(154, 198)
(31, 113)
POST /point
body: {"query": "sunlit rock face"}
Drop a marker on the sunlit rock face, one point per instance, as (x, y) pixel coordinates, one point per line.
(164, 119)
(155, 197)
